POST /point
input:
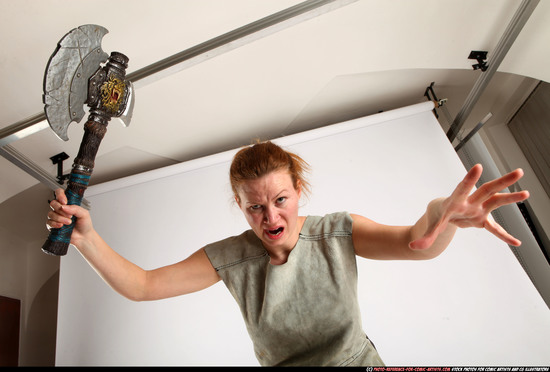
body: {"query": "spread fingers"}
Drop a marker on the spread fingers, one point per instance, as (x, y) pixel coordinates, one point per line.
(498, 200)
(487, 190)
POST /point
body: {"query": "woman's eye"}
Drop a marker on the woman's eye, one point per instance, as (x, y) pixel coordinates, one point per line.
(256, 207)
(281, 200)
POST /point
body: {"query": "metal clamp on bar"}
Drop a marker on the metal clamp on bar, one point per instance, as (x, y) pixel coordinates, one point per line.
(439, 103)
(473, 131)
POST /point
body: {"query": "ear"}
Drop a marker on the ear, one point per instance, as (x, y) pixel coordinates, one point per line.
(299, 188)
(238, 200)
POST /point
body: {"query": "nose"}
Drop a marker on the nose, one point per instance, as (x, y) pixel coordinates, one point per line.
(270, 215)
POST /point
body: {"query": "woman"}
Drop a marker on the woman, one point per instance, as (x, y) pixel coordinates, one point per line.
(294, 277)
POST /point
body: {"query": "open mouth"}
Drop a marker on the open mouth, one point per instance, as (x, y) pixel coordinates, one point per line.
(275, 232)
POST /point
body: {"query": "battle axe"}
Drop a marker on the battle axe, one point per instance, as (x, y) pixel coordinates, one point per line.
(79, 72)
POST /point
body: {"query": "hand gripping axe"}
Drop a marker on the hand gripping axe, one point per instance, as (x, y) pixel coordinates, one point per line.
(79, 72)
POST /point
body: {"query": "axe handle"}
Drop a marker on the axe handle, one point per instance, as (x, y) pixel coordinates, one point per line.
(58, 241)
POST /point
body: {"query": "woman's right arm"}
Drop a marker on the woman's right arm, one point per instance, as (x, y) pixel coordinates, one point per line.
(190, 275)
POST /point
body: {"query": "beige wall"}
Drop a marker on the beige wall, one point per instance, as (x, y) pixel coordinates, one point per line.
(29, 275)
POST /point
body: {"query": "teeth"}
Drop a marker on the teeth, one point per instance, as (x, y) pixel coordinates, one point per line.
(276, 231)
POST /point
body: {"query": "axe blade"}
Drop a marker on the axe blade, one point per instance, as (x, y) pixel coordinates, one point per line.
(77, 57)
(126, 115)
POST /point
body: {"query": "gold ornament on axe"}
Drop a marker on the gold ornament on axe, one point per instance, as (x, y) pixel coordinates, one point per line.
(112, 94)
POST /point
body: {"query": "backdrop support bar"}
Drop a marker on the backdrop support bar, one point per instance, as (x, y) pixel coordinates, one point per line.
(515, 26)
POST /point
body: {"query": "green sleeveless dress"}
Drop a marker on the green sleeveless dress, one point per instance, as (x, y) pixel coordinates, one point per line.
(304, 312)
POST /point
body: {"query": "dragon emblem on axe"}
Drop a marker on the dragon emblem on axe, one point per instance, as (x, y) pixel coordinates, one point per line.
(79, 72)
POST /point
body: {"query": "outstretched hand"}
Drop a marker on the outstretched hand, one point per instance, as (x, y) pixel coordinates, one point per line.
(466, 209)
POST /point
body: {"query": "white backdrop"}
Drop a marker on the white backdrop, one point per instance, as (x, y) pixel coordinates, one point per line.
(473, 305)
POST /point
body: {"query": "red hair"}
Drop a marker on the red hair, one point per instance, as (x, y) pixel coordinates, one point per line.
(262, 158)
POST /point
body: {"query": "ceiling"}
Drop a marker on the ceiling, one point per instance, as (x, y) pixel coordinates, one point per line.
(357, 58)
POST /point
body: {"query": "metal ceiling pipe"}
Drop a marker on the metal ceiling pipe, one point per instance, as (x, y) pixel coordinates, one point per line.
(163, 68)
(199, 53)
(234, 39)
(23, 128)
(17, 158)
(515, 26)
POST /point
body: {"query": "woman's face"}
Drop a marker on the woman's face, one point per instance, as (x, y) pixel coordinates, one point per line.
(270, 205)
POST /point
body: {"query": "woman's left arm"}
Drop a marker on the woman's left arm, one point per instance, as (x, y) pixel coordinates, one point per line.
(433, 232)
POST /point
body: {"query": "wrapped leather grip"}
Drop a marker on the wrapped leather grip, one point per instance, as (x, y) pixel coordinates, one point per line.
(59, 239)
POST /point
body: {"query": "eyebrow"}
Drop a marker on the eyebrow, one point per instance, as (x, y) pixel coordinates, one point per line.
(252, 202)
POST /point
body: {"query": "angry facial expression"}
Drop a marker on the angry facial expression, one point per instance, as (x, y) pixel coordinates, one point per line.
(270, 206)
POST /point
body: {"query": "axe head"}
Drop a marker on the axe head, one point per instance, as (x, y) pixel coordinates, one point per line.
(78, 57)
